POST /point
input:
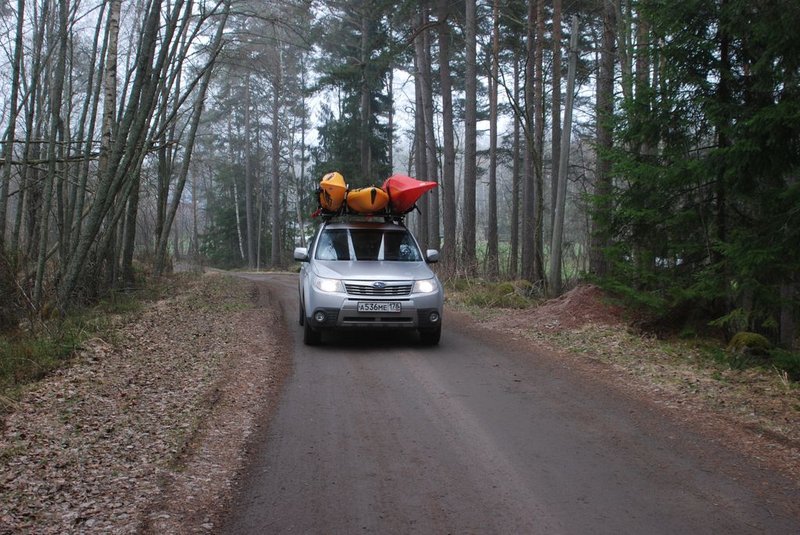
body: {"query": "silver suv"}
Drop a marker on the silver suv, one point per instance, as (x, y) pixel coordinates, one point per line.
(368, 274)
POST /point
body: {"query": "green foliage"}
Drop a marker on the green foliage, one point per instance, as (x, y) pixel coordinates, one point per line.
(734, 321)
(766, 357)
(220, 243)
(349, 75)
(339, 148)
(749, 343)
(706, 208)
(646, 301)
(787, 361)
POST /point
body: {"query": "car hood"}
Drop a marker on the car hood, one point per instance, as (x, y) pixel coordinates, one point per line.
(373, 271)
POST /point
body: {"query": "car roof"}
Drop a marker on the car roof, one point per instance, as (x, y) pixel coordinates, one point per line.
(365, 225)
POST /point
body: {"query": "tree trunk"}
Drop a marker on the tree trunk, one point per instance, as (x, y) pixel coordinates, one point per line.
(492, 266)
(516, 178)
(130, 142)
(390, 118)
(250, 227)
(623, 49)
(129, 234)
(29, 203)
(605, 110)
(555, 112)
(109, 88)
(561, 198)
(164, 171)
(277, 90)
(56, 99)
(723, 142)
(448, 150)
(788, 321)
(8, 149)
(642, 95)
(528, 185)
(197, 113)
(91, 106)
(430, 147)
(194, 250)
(238, 219)
(470, 141)
(366, 146)
(538, 111)
(421, 160)
(302, 189)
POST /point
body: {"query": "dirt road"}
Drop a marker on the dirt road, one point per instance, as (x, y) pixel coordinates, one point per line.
(376, 434)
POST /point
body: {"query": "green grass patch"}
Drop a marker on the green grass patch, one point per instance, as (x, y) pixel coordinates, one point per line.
(28, 357)
(483, 294)
(783, 361)
(786, 361)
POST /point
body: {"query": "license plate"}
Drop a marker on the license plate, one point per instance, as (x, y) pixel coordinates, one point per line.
(382, 306)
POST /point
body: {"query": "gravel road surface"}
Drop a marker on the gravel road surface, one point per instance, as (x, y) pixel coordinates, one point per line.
(482, 434)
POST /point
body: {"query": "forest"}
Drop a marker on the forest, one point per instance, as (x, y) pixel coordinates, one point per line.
(649, 146)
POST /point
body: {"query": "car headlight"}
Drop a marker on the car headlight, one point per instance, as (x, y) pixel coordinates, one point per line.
(425, 286)
(328, 285)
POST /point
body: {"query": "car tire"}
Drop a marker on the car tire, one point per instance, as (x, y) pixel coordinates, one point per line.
(311, 336)
(430, 337)
(302, 316)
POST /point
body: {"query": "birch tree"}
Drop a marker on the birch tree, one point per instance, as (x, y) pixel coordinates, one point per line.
(197, 111)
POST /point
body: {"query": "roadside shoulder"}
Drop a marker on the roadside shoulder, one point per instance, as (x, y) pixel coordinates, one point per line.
(748, 411)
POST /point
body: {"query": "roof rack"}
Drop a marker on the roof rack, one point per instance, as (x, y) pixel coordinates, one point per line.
(346, 214)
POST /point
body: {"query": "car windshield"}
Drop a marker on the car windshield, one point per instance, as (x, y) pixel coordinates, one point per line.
(367, 244)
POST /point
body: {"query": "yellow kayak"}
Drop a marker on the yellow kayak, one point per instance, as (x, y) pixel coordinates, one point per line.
(332, 189)
(367, 200)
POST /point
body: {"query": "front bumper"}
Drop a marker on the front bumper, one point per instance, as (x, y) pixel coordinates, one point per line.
(337, 310)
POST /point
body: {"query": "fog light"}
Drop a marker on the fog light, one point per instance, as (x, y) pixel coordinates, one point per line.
(434, 317)
(319, 316)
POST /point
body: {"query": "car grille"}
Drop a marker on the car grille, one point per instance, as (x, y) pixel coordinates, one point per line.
(370, 290)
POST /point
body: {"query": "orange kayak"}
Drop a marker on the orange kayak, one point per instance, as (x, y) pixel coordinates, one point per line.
(332, 189)
(404, 192)
(367, 200)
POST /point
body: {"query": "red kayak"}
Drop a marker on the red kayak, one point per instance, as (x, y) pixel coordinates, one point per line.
(404, 192)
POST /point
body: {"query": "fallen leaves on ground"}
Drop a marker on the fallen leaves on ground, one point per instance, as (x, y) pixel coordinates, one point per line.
(102, 445)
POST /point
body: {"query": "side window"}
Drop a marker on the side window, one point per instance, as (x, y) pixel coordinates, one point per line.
(333, 245)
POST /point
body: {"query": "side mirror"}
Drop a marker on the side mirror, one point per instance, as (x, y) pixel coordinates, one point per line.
(301, 254)
(431, 256)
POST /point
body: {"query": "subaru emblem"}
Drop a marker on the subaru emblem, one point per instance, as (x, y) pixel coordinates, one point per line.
(379, 285)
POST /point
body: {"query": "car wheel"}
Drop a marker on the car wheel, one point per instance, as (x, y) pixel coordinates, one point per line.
(302, 316)
(430, 337)
(311, 336)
